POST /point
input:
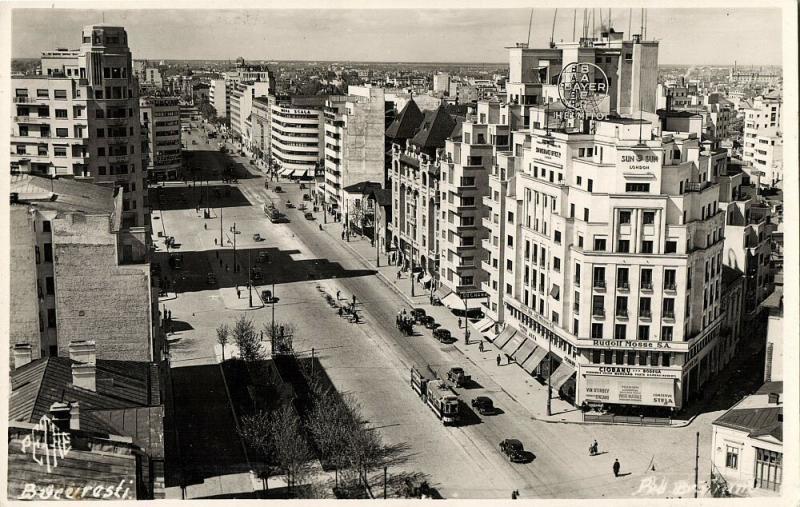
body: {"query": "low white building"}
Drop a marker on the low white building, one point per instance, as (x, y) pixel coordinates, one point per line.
(747, 445)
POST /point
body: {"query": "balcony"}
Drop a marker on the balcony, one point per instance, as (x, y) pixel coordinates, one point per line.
(31, 100)
(622, 313)
(599, 285)
(116, 122)
(623, 286)
(670, 287)
(669, 316)
(119, 159)
(598, 313)
(645, 314)
(647, 287)
(31, 119)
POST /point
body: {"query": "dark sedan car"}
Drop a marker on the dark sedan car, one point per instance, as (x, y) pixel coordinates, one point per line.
(484, 405)
(513, 448)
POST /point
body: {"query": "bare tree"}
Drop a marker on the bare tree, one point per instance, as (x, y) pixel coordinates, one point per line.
(280, 335)
(255, 430)
(244, 335)
(222, 337)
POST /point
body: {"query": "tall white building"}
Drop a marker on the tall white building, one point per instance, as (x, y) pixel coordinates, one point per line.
(80, 118)
(762, 113)
(241, 110)
(441, 82)
(219, 98)
(297, 131)
(161, 133)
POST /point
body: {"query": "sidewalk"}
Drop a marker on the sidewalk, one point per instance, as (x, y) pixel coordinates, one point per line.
(513, 380)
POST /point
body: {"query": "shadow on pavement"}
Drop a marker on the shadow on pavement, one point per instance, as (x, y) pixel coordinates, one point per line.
(279, 269)
(170, 198)
(210, 164)
(207, 442)
(468, 417)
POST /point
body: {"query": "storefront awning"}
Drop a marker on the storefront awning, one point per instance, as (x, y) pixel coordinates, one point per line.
(534, 359)
(454, 302)
(491, 333)
(427, 278)
(524, 351)
(442, 292)
(561, 375)
(504, 336)
(483, 324)
(291, 173)
(513, 344)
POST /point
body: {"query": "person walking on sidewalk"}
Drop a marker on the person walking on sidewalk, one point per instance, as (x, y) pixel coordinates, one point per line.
(615, 467)
(498, 359)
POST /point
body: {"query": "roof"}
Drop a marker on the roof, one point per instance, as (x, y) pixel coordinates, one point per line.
(383, 196)
(362, 187)
(39, 384)
(406, 123)
(730, 276)
(435, 129)
(62, 194)
(771, 388)
(144, 424)
(757, 422)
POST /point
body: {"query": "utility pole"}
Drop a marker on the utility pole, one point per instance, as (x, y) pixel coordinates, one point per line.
(249, 280)
(220, 227)
(696, 462)
(384, 482)
(233, 230)
(549, 375)
(412, 278)
(375, 235)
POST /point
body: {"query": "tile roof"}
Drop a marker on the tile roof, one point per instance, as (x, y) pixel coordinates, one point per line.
(143, 424)
(771, 388)
(120, 384)
(435, 129)
(383, 196)
(406, 123)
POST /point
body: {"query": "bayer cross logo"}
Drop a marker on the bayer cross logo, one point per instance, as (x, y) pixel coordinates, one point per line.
(582, 87)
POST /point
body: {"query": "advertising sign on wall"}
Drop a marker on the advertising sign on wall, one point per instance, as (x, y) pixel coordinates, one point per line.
(632, 391)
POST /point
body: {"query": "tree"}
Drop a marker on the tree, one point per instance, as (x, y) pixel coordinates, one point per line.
(291, 449)
(244, 335)
(280, 335)
(222, 337)
(207, 110)
(255, 430)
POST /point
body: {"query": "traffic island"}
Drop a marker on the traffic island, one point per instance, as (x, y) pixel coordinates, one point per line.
(240, 301)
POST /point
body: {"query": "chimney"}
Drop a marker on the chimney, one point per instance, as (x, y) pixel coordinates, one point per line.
(60, 415)
(74, 416)
(774, 398)
(23, 354)
(84, 372)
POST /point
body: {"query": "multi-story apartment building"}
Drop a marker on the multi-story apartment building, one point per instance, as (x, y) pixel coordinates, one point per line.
(762, 113)
(59, 228)
(465, 220)
(415, 180)
(441, 83)
(354, 141)
(242, 97)
(81, 118)
(768, 156)
(297, 131)
(261, 135)
(219, 98)
(161, 136)
(616, 275)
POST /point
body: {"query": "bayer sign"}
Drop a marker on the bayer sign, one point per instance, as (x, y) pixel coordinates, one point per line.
(582, 87)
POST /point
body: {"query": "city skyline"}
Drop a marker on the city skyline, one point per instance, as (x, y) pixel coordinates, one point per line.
(485, 32)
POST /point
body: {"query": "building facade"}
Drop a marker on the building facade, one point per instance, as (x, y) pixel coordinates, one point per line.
(161, 136)
(94, 131)
(763, 113)
(242, 97)
(297, 130)
(354, 141)
(61, 227)
(219, 98)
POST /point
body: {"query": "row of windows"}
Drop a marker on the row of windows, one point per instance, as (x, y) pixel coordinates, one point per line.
(41, 93)
(631, 357)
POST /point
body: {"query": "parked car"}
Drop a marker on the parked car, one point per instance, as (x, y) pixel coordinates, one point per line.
(306, 197)
(428, 321)
(418, 314)
(255, 275)
(484, 405)
(458, 376)
(257, 237)
(513, 449)
(309, 216)
(278, 189)
(442, 335)
(289, 204)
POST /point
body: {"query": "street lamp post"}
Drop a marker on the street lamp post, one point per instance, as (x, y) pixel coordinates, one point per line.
(375, 235)
(220, 227)
(549, 375)
(249, 280)
(233, 230)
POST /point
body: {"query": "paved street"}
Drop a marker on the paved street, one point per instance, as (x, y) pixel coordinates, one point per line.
(372, 359)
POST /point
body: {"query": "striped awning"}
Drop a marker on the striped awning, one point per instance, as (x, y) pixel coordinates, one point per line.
(534, 359)
(504, 336)
(524, 351)
(561, 375)
(483, 324)
(513, 344)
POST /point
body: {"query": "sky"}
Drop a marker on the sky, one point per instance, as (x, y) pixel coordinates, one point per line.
(687, 36)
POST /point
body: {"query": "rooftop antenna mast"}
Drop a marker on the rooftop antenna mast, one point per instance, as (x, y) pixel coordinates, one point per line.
(641, 24)
(530, 25)
(630, 19)
(553, 30)
(574, 19)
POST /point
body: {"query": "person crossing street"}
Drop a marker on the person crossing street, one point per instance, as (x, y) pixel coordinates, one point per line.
(616, 468)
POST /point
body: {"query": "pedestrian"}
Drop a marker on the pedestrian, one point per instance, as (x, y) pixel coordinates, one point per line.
(594, 448)
(337, 295)
(340, 311)
(615, 467)
(205, 226)
(215, 244)
(398, 274)
(498, 359)
(480, 346)
(238, 293)
(262, 336)
(459, 323)
(514, 495)
(342, 235)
